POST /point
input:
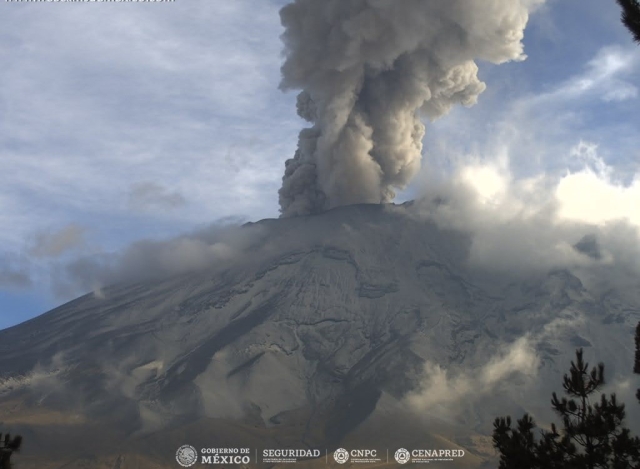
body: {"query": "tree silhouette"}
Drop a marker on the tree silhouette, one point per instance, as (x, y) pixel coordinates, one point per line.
(631, 17)
(636, 366)
(8, 446)
(593, 435)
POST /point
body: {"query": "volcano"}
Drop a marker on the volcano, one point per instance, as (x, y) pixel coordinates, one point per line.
(328, 332)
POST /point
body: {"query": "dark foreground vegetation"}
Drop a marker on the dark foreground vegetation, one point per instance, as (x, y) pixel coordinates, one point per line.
(592, 434)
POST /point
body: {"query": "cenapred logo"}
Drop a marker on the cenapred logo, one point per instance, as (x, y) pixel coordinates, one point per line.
(402, 456)
(341, 455)
(187, 456)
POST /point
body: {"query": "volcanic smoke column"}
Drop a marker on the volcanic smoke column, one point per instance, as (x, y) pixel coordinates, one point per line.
(368, 71)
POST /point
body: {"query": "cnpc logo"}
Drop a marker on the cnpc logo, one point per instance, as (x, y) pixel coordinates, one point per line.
(341, 455)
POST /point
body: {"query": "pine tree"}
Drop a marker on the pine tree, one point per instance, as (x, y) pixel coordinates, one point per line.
(593, 435)
(7, 447)
(636, 367)
(631, 17)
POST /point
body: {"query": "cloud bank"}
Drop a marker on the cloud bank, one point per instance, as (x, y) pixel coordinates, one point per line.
(441, 388)
(583, 220)
(222, 242)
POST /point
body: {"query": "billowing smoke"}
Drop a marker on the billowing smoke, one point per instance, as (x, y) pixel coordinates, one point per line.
(368, 71)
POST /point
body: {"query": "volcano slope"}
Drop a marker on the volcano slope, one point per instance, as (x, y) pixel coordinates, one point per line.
(360, 327)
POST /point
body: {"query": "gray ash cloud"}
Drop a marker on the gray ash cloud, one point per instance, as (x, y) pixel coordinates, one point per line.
(369, 71)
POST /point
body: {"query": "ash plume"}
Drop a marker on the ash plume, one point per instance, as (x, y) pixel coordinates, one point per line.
(368, 71)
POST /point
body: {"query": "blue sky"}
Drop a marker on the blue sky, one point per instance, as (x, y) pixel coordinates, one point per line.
(125, 121)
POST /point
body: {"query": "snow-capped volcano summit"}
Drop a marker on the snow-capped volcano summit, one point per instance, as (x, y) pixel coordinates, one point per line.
(365, 325)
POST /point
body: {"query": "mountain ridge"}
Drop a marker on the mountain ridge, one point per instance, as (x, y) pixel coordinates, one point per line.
(323, 326)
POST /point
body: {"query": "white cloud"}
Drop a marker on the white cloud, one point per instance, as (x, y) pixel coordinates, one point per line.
(441, 388)
(167, 95)
(536, 224)
(605, 76)
(591, 196)
(537, 130)
(562, 150)
(489, 180)
(212, 247)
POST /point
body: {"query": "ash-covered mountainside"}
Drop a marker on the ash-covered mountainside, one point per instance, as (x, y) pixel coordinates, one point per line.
(325, 327)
